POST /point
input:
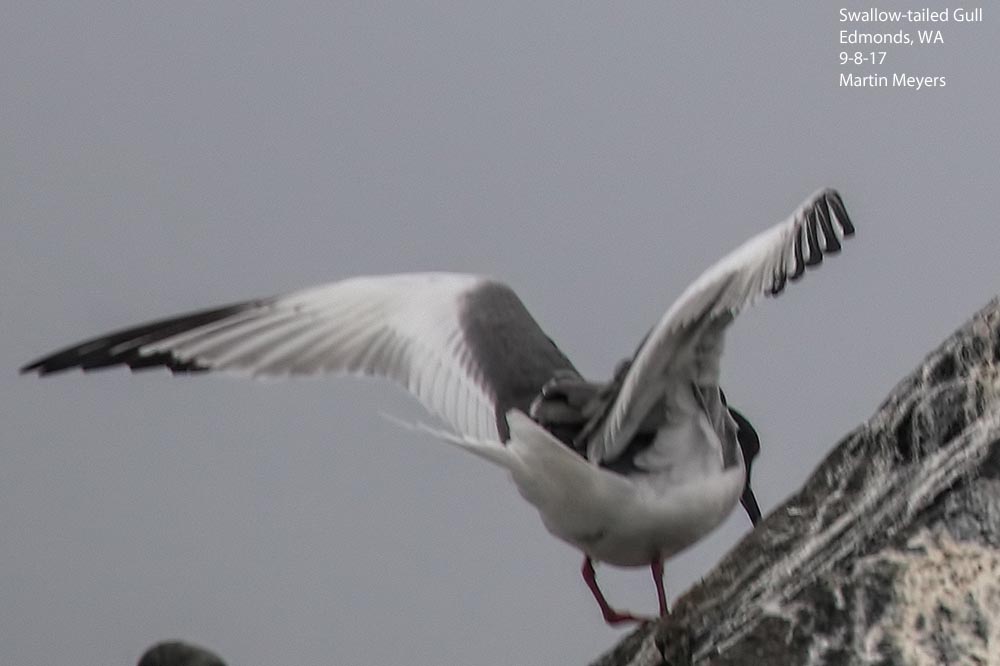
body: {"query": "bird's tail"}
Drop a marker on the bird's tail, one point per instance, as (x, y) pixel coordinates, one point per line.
(489, 449)
(546, 472)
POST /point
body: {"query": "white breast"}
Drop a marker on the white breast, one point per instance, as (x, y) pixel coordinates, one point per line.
(622, 520)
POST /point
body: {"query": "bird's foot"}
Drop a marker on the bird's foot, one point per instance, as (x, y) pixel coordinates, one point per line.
(611, 616)
(614, 618)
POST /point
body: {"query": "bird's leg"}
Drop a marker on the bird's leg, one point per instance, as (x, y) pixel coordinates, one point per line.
(611, 616)
(656, 567)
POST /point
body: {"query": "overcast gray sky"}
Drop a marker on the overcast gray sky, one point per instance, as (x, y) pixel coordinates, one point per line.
(160, 157)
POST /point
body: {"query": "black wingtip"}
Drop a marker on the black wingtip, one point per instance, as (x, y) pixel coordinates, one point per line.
(812, 239)
(824, 218)
(836, 204)
(122, 347)
(46, 365)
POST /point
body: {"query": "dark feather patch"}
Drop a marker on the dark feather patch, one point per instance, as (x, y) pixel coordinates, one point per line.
(832, 243)
(827, 210)
(513, 355)
(122, 347)
(835, 203)
(815, 254)
(800, 264)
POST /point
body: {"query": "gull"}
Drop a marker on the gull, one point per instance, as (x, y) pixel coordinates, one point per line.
(630, 472)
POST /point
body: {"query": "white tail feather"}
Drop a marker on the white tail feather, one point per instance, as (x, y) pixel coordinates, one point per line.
(489, 449)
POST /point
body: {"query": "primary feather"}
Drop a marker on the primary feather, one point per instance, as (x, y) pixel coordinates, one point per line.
(464, 345)
(687, 342)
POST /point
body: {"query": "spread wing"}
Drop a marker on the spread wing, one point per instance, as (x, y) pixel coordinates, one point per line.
(464, 345)
(687, 342)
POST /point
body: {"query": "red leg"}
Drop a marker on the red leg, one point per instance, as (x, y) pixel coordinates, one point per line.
(657, 570)
(611, 616)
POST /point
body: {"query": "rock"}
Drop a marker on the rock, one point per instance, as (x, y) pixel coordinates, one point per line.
(177, 653)
(890, 552)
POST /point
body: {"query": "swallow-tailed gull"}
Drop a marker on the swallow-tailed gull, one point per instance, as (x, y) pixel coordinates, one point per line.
(630, 472)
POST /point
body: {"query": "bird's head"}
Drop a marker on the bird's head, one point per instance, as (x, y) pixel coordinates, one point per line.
(750, 446)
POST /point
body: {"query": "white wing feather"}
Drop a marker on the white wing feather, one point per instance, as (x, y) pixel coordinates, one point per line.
(687, 341)
(405, 327)
(401, 327)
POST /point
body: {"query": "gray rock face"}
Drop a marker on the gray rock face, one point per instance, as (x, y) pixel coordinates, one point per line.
(889, 554)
